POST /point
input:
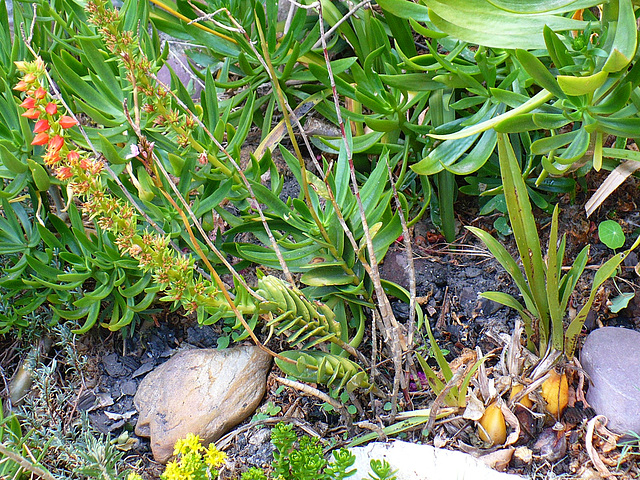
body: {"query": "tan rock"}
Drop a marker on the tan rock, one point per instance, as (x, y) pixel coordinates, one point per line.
(204, 391)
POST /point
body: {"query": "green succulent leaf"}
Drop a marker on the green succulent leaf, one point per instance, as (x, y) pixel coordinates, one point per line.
(625, 42)
(571, 85)
(542, 6)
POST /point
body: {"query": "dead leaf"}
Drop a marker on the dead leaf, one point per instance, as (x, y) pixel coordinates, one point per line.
(474, 409)
(523, 455)
(512, 421)
(613, 181)
(593, 454)
(120, 416)
(498, 460)
(278, 132)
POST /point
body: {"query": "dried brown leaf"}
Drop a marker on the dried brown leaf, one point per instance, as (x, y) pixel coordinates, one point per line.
(613, 181)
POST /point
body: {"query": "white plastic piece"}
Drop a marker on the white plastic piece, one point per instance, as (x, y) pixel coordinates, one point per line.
(423, 462)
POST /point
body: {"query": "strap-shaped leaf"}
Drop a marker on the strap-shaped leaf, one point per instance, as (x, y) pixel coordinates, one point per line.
(570, 279)
(556, 315)
(576, 149)
(531, 104)
(477, 157)
(548, 144)
(478, 21)
(621, 127)
(508, 263)
(525, 230)
(572, 85)
(558, 51)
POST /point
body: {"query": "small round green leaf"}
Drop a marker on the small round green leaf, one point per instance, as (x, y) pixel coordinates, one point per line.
(621, 302)
(611, 234)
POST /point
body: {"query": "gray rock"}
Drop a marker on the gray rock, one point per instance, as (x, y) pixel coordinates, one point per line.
(179, 63)
(204, 391)
(128, 388)
(113, 366)
(611, 358)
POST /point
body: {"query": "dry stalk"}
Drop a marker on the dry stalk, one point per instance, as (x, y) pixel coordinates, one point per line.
(308, 389)
(25, 464)
(188, 209)
(216, 277)
(346, 17)
(392, 330)
(411, 271)
(233, 162)
(437, 403)
(597, 422)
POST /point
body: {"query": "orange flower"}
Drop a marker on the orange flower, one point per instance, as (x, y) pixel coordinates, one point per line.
(67, 121)
(39, 64)
(51, 157)
(41, 126)
(40, 93)
(28, 102)
(21, 86)
(41, 139)
(51, 108)
(32, 113)
(64, 173)
(73, 156)
(56, 143)
(29, 78)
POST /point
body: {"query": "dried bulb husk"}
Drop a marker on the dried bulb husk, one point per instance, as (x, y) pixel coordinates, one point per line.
(555, 391)
(494, 428)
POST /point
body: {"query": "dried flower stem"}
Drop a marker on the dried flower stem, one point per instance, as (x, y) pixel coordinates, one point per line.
(392, 330)
(25, 464)
(303, 387)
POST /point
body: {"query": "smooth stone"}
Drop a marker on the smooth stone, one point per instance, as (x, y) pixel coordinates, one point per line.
(205, 392)
(179, 63)
(423, 462)
(611, 358)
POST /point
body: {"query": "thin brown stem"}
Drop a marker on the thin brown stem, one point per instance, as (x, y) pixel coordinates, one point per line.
(308, 389)
(392, 330)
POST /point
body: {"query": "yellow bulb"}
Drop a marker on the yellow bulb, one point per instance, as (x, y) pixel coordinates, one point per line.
(524, 401)
(493, 425)
(555, 391)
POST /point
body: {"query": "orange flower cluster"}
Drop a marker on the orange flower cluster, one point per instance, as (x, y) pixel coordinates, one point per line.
(50, 127)
(82, 171)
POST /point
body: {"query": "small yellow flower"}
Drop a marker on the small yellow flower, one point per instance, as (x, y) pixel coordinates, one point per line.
(134, 476)
(172, 472)
(214, 457)
(192, 443)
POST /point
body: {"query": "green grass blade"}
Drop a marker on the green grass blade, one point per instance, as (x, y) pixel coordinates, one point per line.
(437, 353)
